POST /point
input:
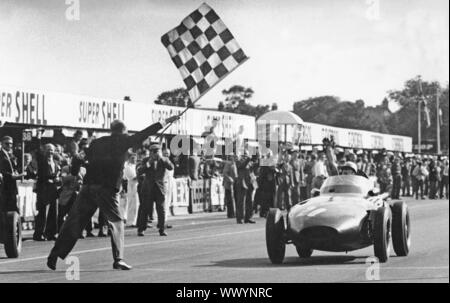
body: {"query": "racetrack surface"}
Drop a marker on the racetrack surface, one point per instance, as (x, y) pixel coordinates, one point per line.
(210, 248)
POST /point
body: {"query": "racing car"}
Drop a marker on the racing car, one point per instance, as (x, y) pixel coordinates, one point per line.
(346, 214)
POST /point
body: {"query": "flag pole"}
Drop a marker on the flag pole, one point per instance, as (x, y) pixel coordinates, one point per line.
(419, 132)
(438, 123)
(419, 137)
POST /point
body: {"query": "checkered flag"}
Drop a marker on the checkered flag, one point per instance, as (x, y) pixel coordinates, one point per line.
(203, 50)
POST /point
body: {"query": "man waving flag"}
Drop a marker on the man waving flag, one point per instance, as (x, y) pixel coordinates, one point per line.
(203, 50)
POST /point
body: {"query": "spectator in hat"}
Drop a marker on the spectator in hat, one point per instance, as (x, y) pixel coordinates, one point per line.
(8, 170)
(153, 188)
(420, 173)
(48, 181)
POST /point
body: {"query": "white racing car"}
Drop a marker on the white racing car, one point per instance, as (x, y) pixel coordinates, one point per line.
(347, 214)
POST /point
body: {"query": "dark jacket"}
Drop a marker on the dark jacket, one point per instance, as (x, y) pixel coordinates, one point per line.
(155, 175)
(106, 157)
(246, 178)
(7, 168)
(47, 181)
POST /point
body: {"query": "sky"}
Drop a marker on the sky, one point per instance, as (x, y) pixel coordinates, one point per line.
(353, 49)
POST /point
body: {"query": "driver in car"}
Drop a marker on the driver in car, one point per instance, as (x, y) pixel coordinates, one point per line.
(348, 168)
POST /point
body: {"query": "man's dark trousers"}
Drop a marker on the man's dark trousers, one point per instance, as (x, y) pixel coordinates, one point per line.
(89, 199)
(396, 186)
(152, 195)
(244, 207)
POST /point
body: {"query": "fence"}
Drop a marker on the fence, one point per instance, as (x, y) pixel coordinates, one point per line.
(188, 196)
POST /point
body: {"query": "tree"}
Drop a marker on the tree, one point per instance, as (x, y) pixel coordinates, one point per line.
(175, 97)
(236, 95)
(404, 121)
(274, 106)
(330, 110)
(236, 98)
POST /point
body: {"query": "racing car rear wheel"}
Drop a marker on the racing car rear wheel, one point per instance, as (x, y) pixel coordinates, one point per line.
(276, 246)
(13, 236)
(382, 234)
(401, 230)
(304, 252)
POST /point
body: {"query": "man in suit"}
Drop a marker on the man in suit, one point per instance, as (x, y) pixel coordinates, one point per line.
(229, 176)
(297, 174)
(48, 178)
(8, 168)
(285, 178)
(106, 158)
(244, 189)
(154, 189)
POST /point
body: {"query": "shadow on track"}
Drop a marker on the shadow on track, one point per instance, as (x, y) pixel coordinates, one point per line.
(290, 262)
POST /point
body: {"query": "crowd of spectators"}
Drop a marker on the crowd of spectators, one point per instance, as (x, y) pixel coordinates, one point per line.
(252, 183)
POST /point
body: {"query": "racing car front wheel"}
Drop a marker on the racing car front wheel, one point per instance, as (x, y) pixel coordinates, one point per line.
(13, 234)
(401, 230)
(304, 252)
(276, 246)
(382, 234)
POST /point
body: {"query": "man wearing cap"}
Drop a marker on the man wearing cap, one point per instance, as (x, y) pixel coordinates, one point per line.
(153, 189)
(106, 157)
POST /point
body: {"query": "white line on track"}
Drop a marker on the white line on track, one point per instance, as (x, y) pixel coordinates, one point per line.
(137, 244)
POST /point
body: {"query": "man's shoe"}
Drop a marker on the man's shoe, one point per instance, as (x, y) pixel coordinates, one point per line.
(162, 233)
(250, 221)
(121, 265)
(90, 235)
(140, 234)
(240, 222)
(51, 262)
(81, 236)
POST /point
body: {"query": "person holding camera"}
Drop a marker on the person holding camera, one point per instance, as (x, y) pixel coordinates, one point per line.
(153, 190)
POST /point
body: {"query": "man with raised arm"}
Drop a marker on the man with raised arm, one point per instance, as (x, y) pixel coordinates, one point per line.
(105, 157)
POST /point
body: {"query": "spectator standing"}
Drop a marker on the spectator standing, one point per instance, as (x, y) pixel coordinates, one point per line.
(396, 172)
(444, 183)
(244, 207)
(285, 178)
(406, 178)
(420, 173)
(73, 146)
(229, 177)
(8, 169)
(169, 184)
(132, 197)
(319, 171)
(153, 189)
(434, 175)
(48, 180)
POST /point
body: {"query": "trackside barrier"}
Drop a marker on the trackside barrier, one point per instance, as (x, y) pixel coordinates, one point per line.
(216, 194)
(26, 199)
(197, 196)
(180, 197)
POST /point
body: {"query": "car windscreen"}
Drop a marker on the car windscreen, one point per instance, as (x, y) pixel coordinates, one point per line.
(347, 184)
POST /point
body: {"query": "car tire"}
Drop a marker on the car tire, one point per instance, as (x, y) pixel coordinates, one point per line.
(13, 235)
(401, 229)
(304, 252)
(382, 234)
(276, 246)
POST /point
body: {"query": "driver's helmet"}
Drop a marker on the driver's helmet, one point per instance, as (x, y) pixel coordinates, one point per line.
(350, 165)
